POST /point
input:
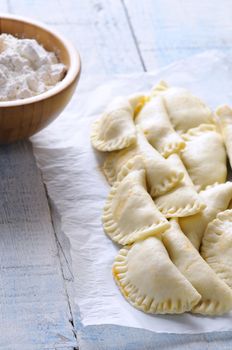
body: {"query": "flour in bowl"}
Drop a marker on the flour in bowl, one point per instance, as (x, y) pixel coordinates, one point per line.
(26, 68)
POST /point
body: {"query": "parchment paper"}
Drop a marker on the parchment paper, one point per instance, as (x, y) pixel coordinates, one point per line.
(76, 185)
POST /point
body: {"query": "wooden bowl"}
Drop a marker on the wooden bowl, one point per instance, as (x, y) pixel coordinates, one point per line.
(22, 118)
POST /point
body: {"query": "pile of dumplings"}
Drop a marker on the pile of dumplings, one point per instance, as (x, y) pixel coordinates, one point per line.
(169, 202)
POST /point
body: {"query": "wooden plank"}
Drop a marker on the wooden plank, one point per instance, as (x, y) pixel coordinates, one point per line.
(34, 312)
(39, 316)
(169, 30)
(114, 338)
(62, 243)
(99, 29)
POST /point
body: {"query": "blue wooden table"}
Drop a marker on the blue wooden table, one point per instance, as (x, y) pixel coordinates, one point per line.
(113, 36)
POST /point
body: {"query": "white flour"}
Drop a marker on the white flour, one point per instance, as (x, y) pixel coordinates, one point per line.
(26, 68)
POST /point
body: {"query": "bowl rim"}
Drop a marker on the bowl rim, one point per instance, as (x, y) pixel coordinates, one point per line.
(73, 71)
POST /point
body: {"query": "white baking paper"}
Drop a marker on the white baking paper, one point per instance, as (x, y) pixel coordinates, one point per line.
(78, 189)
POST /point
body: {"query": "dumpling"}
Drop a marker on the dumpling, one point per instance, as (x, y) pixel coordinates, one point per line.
(155, 123)
(135, 163)
(224, 114)
(216, 198)
(115, 129)
(160, 87)
(216, 296)
(137, 101)
(115, 161)
(204, 156)
(130, 213)
(150, 281)
(161, 175)
(216, 246)
(183, 200)
(185, 110)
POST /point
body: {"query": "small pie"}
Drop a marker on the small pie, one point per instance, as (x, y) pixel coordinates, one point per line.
(183, 200)
(224, 114)
(216, 246)
(204, 156)
(150, 281)
(130, 213)
(216, 199)
(115, 129)
(185, 110)
(161, 175)
(216, 296)
(155, 123)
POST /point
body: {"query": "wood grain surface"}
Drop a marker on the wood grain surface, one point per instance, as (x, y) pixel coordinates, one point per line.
(113, 36)
(34, 311)
(169, 30)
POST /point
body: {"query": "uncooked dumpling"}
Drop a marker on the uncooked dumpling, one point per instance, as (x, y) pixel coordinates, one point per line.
(216, 296)
(160, 87)
(216, 198)
(216, 246)
(155, 123)
(137, 102)
(115, 129)
(130, 213)
(183, 200)
(161, 174)
(115, 161)
(204, 156)
(185, 110)
(224, 114)
(150, 281)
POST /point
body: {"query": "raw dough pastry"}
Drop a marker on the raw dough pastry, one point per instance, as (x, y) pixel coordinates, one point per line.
(216, 198)
(185, 110)
(135, 163)
(150, 281)
(204, 156)
(224, 114)
(130, 213)
(115, 161)
(216, 297)
(115, 130)
(137, 102)
(216, 246)
(183, 200)
(160, 87)
(161, 175)
(155, 123)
